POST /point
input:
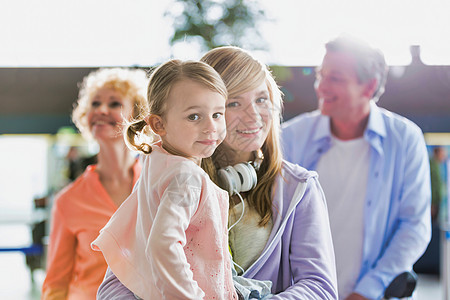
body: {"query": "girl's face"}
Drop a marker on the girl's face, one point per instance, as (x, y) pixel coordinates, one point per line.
(105, 114)
(194, 123)
(249, 120)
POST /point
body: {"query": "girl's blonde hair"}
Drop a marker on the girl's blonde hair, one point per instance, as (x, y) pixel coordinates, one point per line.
(130, 83)
(161, 82)
(241, 73)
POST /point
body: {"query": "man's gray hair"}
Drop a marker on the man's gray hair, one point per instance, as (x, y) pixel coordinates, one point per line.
(370, 62)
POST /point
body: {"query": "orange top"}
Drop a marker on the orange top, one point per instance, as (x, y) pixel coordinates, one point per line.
(80, 210)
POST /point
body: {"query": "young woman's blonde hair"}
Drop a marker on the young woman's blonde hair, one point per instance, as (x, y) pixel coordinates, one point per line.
(241, 73)
(130, 83)
(161, 82)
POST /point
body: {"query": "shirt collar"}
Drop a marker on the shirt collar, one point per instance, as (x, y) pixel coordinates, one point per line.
(376, 123)
(323, 128)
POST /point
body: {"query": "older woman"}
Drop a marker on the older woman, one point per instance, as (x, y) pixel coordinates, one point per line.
(80, 210)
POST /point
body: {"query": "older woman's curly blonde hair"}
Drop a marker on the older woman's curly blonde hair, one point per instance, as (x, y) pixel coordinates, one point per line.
(130, 83)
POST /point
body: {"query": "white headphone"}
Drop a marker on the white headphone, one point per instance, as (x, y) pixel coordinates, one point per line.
(238, 178)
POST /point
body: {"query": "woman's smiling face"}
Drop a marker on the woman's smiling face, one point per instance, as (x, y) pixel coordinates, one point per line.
(248, 118)
(106, 113)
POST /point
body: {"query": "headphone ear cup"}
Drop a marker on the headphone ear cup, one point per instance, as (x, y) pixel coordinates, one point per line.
(247, 176)
(229, 180)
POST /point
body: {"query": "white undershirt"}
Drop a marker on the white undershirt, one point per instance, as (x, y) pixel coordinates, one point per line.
(343, 172)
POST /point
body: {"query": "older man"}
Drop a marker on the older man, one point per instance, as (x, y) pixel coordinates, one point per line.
(373, 167)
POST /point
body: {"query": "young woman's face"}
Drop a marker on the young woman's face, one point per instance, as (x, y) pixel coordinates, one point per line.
(249, 119)
(194, 123)
(105, 114)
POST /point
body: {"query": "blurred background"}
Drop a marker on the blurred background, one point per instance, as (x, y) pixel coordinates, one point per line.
(47, 47)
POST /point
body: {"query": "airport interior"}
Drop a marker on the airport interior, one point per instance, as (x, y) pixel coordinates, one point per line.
(41, 150)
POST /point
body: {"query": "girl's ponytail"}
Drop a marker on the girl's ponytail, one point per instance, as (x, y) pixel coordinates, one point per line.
(134, 134)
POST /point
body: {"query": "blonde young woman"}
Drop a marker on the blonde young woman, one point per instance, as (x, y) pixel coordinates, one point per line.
(80, 210)
(284, 233)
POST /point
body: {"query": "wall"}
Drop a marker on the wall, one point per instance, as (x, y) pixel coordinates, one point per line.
(40, 100)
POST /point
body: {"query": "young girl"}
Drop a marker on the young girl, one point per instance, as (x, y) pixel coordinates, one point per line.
(169, 239)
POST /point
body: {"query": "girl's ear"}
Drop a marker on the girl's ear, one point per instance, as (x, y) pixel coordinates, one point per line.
(157, 124)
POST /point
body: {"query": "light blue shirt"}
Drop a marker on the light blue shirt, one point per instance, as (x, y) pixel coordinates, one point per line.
(397, 222)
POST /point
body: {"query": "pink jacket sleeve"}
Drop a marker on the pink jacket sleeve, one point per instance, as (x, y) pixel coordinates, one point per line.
(170, 268)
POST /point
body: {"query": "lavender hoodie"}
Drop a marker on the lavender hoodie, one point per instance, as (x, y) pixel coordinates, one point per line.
(299, 255)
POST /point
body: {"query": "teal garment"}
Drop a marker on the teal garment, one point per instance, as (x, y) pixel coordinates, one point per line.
(436, 182)
(436, 187)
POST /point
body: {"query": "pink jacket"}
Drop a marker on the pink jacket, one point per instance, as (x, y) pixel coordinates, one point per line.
(169, 239)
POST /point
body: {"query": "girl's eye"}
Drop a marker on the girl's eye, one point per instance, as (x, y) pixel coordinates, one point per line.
(217, 115)
(193, 117)
(95, 103)
(233, 104)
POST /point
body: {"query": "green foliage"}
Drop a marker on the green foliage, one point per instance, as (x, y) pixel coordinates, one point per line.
(218, 23)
